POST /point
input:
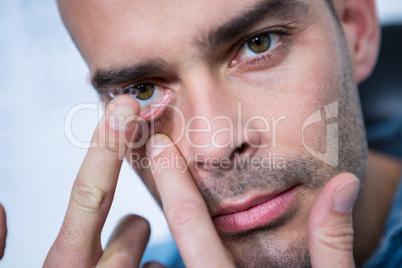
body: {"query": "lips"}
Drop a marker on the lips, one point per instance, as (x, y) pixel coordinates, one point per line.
(254, 212)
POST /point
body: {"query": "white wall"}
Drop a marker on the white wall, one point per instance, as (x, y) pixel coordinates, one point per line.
(42, 77)
(390, 10)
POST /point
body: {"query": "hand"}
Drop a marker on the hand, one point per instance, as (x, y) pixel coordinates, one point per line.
(78, 243)
(3, 231)
(330, 231)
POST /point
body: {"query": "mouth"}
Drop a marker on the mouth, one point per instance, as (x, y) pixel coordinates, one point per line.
(254, 212)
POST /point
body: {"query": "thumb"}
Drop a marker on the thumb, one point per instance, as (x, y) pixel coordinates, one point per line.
(330, 228)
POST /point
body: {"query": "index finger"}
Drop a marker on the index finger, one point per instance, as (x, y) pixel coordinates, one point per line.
(94, 187)
(185, 210)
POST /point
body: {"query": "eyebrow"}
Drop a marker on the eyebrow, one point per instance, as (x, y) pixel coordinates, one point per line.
(111, 77)
(273, 9)
(267, 9)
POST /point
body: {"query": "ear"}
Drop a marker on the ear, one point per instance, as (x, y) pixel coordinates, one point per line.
(362, 29)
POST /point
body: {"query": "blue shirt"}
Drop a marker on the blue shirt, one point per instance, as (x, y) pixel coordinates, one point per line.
(389, 253)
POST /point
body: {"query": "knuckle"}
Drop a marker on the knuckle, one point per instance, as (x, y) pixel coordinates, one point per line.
(88, 197)
(182, 215)
(338, 238)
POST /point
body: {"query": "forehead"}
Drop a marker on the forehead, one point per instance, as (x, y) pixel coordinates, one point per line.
(111, 32)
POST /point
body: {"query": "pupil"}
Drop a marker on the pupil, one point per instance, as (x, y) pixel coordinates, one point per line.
(258, 41)
(143, 88)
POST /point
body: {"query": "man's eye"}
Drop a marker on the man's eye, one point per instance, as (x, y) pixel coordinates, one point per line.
(142, 92)
(259, 44)
(149, 96)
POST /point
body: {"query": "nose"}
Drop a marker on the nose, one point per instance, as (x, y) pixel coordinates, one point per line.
(216, 134)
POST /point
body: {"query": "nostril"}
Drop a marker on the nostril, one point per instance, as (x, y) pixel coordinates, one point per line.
(239, 150)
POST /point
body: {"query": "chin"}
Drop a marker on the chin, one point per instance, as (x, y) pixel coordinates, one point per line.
(267, 248)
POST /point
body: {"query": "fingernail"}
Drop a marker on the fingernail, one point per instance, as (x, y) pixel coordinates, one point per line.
(346, 195)
(120, 117)
(156, 145)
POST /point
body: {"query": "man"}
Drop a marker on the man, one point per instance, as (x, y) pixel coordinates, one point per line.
(219, 89)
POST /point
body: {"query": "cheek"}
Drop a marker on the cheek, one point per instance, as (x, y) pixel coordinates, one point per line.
(306, 82)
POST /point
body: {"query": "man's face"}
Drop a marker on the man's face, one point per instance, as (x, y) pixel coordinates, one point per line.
(243, 81)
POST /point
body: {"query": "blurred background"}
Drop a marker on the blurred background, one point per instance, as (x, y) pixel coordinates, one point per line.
(42, 78)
